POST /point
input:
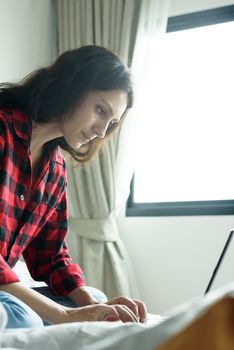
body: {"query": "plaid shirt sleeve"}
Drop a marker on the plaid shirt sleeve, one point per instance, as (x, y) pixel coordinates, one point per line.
(7, 275)
(47, 255)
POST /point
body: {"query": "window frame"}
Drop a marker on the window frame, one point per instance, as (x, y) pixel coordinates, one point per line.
(214, 207)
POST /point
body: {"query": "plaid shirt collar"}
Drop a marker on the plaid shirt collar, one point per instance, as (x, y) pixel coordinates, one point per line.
(23, 128)
(22, 125)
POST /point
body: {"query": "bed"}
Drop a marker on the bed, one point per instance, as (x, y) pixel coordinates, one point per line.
(206, 323)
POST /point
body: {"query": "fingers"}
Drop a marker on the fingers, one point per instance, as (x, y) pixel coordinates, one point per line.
(137, 307)
(107, 313)
(142, 311)
(103, 312)
(125, 314)
(125, 301)
(114, 313)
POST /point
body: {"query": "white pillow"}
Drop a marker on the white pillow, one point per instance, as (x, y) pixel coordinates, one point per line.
(22, 272)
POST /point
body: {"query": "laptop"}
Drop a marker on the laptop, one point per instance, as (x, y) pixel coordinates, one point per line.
(214, 274)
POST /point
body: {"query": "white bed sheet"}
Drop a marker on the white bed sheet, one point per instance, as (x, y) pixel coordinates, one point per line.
(112, 336)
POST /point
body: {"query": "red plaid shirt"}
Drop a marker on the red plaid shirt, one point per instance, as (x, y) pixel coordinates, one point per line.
(33, 221)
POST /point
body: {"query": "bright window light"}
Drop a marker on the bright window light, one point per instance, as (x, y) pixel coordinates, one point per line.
(188, 152)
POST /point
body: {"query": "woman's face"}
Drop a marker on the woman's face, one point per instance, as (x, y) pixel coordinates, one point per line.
(93, 116)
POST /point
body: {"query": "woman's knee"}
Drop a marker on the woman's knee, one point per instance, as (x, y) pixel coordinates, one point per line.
(19, 314)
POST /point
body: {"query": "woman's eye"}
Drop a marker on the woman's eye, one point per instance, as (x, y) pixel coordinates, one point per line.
(101, 111)
(113, 122)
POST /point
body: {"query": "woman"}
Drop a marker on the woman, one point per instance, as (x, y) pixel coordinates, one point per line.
(74, 105)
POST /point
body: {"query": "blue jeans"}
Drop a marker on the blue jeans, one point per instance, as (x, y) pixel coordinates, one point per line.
(21, 315)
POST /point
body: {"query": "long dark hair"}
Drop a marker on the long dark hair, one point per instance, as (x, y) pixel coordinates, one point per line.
(50, 93)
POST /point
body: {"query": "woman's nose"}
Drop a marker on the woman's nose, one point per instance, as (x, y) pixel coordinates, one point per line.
(101, 129)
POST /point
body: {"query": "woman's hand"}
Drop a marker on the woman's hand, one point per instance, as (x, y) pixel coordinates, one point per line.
(137, 308)
(118, 309)
(100, 312)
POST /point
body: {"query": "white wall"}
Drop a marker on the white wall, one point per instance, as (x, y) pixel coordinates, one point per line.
(27, 37)
(174, 257)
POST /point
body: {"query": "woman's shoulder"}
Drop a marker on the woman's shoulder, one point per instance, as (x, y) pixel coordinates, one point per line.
(16, 122)
(5, 121)
(5, 127)
(6, 114)
(11, 115)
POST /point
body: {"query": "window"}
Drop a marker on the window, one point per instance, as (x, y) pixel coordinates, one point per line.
(188, 166)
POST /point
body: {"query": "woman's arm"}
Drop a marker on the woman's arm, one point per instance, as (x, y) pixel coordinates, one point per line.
(82, 297)
(47, 309)
(47, 255)
(54, 313)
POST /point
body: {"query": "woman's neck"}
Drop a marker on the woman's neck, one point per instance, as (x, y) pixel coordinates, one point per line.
(41, 134)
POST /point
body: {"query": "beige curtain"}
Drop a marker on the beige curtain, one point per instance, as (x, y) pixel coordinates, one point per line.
(98, 191)
(109, 23)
